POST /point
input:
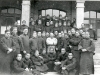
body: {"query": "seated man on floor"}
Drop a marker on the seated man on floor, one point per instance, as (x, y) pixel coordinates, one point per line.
(51, 59)
(19, 66)
(38, 61)
(61, 59)
(69, 66)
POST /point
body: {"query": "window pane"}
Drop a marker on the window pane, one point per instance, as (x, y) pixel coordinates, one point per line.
(3, 28)
(63, 13)
(43, 12)
(49, 12)
(86, 21)
(86, 14)
(10, 10)
(17, 11)
(56, 13)
(4, 11)
(92, 14)
(98, 15)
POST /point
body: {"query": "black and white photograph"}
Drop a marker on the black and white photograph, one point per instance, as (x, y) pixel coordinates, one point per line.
(49, 37)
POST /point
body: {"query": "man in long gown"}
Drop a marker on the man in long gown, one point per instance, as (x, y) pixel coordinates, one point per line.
(7, 52)
(87, 48)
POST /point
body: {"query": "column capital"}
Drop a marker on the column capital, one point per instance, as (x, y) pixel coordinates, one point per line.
(26, 2)
(80, 3)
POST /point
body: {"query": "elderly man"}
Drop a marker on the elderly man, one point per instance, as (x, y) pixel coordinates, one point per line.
(51, 41)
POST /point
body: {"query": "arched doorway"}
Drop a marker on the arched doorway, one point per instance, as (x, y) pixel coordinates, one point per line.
(8, 17)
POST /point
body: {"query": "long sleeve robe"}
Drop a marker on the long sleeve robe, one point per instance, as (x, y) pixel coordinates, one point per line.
(5, 58)
(86, 60)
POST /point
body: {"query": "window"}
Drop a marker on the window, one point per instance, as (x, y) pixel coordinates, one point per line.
(98, 15)
(11, 11)
(49, 11)
(92, 14)
(53, 12)
(86, 14)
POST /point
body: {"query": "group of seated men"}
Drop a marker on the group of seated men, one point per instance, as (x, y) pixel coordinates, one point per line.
(59, 47)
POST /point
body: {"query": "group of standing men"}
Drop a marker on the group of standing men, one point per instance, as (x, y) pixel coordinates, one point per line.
(48, 45)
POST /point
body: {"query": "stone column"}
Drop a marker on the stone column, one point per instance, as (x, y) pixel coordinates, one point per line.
(79, 13)
(26, 11)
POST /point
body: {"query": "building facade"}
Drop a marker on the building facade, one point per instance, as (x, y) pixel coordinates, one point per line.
(85, 11)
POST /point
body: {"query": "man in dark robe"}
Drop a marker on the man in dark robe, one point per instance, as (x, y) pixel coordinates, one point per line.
(16, 39)
(47, 27)
(33, 43)
(61, 60)
(7, 52)
(66, 43)
(59, 44)
(74, 42)
(19, 67)
(38, 61)
(56, 27)
(22, 27)
(69, 67)
(87, 48)
(92, 32)
(32, 27)
(39, 27)
(41, 43)
(51, 59)
(24, 38)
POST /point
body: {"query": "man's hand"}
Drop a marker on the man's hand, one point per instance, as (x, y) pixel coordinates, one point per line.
(41, 57)
(84, 50)
(26, 69)
(9, 50)
(70, 46)
(63, 68)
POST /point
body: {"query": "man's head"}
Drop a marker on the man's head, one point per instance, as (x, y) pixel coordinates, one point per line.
(47, 34)
(51, 35)
(23, 22)
(69, 32)
(7, 33)
(39, 21)
(64, 24)
(60, 23)
(77, 33)
(56, 32)
(70, 55)
(36, 53)
(39, 34)
(25, 31)
(27, 56)
(35, 35)
(43, 34)
(82, 25)
(14, 30)
(91, 27)
(33, 22)
(47, 23)
(66, 36)
(19, 57)
(63, 51)
(56, 24)
(51, 50)
(73, 31)
(51, 22)
(87, 35)
(60, 16)
(60, 35)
